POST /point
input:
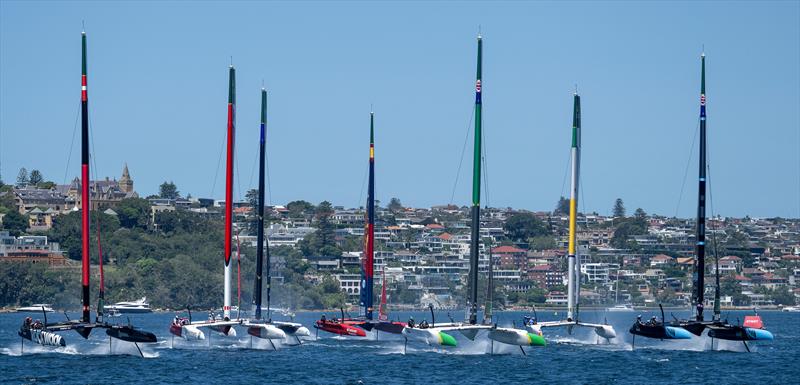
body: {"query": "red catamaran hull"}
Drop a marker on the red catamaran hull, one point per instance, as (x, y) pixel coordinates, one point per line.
(341, 328)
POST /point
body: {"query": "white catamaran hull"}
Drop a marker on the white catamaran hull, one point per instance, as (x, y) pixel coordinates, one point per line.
(191, 332)
(266, 331)
(515, 337)
(605, 331)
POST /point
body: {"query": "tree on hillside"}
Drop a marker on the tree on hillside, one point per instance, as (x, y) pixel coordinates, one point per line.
(22, 177)
(134, 212)
(619, 208)
(562, 207)
(15, 223)
(168, 190)
(395, 205)
(299, 208)
(542, 242)
(627, 228)
(640, 214)
(66, 231)
(521, 226)
(35, 178)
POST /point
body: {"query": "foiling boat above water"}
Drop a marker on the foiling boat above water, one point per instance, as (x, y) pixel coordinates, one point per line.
(130, 307)
(45, 333)
(753, 328)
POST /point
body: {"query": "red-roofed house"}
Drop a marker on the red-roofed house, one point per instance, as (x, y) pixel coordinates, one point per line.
(445, 236)
(538, 274)
(511, 256)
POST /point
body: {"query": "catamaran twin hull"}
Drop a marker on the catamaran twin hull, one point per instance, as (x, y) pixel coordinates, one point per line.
(602, 330)
(439, 335)
(659, 331)
(518, 337)
(340, 328)
(192, 331)
(42, 337)
(264, 330)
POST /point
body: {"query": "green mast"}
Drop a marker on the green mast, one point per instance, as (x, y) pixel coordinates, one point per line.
(472, 303)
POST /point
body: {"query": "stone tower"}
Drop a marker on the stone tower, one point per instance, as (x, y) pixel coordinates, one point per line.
(126, 183)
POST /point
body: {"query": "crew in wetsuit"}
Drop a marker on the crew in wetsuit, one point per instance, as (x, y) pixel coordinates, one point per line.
(639, 319)
(323, 318)
(423, 324)
(653, 321)
(700, 311)
(410, 322)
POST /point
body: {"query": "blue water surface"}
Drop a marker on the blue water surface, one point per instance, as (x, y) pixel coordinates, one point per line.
(577, 358)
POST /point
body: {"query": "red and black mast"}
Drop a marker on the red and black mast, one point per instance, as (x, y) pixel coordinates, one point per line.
(84, 183)
(226, 308)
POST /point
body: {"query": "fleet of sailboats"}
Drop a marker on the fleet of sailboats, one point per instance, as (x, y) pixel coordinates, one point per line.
(262, 326)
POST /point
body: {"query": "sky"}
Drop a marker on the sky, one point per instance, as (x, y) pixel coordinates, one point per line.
(158, 90)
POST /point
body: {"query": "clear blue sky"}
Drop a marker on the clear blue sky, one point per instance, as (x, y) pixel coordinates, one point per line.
(158, 91)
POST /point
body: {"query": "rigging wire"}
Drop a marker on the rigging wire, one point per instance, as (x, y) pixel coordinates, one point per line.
(564, 181)
(266, 169)
(461, 159)
(71, 144)
(484, 160)
(688, 164)
(219, 161)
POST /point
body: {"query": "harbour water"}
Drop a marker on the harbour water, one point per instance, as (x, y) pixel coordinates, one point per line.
(569, 358)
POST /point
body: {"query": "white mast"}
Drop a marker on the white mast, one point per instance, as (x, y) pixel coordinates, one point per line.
(573, 289)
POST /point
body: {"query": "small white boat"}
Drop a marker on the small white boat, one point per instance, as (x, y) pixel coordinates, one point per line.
(140, 306)
(36, 308)
(621, 308)
(792, 309)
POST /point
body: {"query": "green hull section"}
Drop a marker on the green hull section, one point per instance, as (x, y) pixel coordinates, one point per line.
(536, 340)
(446, 339)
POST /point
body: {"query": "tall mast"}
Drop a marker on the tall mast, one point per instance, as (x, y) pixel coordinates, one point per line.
(260, 240)
(472, 303)
(226, 308)
(369, 233)
(84, 182)
(699, 264)
(573, 289)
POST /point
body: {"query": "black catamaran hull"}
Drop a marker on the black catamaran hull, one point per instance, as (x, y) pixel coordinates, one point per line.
(738, 333)
(660, 331)
(130, 334)
(42, 337)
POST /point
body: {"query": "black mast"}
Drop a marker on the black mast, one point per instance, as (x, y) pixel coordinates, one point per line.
(700, 265)
(260, 246)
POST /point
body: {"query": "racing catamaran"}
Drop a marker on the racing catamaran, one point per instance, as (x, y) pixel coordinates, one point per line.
(753, 327)
(573, 265)
(438, 334)
(44, 333)
(368, 262)
(260, 327)
(185, 327)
